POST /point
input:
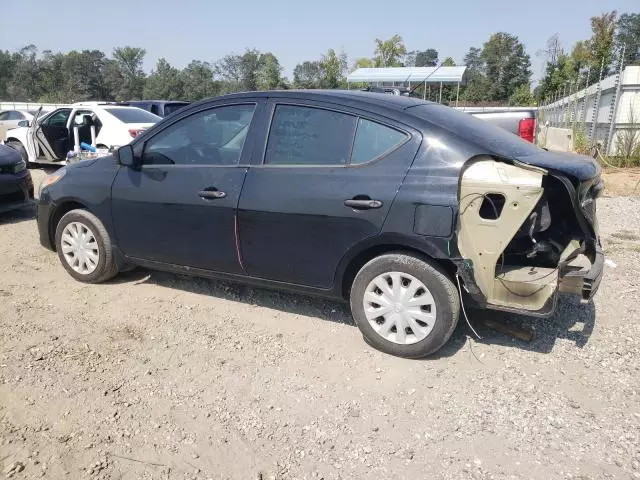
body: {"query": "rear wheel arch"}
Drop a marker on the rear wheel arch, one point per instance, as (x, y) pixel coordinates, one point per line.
(356, 260)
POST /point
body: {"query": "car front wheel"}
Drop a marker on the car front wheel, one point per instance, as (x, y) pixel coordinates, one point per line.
(404, 306)
(84, 247)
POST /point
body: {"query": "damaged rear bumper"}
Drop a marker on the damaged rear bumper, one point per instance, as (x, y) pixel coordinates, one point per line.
(584, 282)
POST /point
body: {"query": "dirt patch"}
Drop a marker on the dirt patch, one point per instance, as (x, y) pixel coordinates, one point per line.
(621, 182)
(157, 376)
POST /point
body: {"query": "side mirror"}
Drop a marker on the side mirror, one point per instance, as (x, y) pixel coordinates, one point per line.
(23, 123)
(125, 157)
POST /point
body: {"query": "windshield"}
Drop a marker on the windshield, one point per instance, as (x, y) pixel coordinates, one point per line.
(170, 108)
(480, 132)
(133, 115)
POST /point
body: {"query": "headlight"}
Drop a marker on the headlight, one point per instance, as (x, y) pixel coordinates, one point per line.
(21, 166)
(53, 178)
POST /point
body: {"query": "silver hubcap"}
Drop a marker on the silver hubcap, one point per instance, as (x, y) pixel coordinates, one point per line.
(399, 307)
(80, 248)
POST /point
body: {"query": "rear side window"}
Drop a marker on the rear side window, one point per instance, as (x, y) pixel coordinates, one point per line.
(170, 108)
(374, 140)
(133, 115)
(15, 116)
(309, 136)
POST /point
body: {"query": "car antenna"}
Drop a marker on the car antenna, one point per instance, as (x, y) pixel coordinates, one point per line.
(426, 78)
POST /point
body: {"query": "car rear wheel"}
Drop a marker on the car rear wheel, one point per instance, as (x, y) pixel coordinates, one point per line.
(84, 247)
(21, 150)
(404, 306)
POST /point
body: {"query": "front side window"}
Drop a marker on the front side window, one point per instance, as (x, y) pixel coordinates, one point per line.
(212, 137)
(59, 118)
(373, 140)
(309, 136)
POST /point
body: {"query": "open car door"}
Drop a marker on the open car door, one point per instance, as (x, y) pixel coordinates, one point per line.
(52, 135)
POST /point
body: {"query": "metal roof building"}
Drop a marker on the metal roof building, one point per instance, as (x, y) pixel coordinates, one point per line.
(407, 75)
(438, 75)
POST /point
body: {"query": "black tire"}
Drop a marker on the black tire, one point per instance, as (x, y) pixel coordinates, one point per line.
(20, 149)
(106, 266)
(442, 289)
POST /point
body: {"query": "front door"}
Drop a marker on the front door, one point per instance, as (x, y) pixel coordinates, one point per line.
(326, 183)
(52, 135)
(179, 207)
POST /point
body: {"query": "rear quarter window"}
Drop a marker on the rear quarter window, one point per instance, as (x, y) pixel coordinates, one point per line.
(373, 140)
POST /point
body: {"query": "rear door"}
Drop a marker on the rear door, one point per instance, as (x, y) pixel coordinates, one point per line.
(52, 135)
(323, 181)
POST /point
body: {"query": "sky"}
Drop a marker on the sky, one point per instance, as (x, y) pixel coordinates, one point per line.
(295, 31)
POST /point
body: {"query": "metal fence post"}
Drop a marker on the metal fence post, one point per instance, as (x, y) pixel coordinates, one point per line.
(613, 109)
(596, 108)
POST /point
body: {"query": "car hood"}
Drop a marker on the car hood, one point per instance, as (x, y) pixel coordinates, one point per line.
(8, 156)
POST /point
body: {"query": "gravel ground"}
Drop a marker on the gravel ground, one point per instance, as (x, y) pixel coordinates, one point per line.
(160, 376)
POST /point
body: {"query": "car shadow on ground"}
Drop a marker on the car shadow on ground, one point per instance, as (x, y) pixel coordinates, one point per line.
(22, 214)
(572, 320)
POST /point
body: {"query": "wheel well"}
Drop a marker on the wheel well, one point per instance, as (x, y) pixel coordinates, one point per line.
(13, 139)
(369, 254)
(60, 212)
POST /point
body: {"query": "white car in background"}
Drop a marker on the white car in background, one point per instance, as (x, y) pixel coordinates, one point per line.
(10, 118)
(52, 135)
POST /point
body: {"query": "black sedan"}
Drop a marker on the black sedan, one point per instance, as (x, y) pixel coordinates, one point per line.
(16, 186)
(391, 203)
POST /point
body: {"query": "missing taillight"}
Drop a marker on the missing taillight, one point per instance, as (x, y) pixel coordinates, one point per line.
(527, 129)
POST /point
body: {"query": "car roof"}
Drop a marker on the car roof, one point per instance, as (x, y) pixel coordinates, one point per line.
(157, 102)
(393, 102)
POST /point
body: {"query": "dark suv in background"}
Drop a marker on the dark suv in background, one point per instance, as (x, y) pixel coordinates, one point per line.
(162, 108)
(394, 204)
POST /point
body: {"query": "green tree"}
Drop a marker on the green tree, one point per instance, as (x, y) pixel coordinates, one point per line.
(476, 88)
(6, 72)
(24, 85)
(363, 62)
(390, 52)
(124, 75)
(269, 72)
(307, 75)
(522, 97)
(601, 42)
(333, 68)
(165, 82)
(198, 82)
(628, 35)
(426, 58)
(506, 65)
(249, 65)
(448, 62)
(54, 80)
(229, 70)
